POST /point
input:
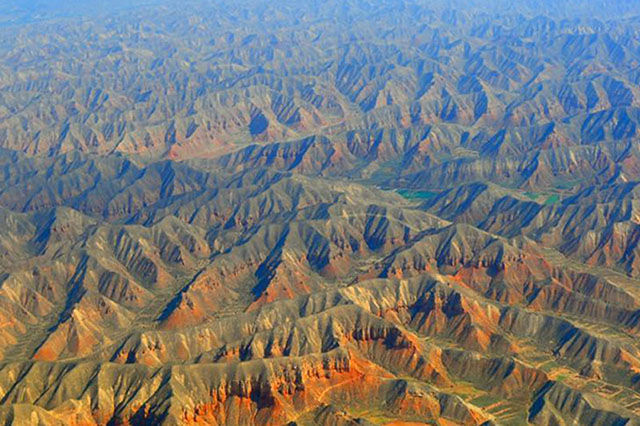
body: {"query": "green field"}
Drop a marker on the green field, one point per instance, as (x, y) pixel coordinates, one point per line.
(416, 195)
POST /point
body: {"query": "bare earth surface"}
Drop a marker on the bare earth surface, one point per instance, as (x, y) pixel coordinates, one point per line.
(341, 212)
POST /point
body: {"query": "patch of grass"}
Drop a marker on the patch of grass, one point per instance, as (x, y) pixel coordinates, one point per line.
(537, 196)
(552, 199)
(485, 400)
(416, 195)
(549, 365)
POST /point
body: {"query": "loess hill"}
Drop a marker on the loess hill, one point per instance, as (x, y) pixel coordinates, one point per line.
(337, 213)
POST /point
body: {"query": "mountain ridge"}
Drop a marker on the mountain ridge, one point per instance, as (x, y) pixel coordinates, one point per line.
(393, 212)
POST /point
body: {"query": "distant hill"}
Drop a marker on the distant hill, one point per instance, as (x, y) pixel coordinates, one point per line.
(320, 212)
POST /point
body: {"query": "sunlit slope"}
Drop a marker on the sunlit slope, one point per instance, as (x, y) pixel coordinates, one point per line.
(328, 213)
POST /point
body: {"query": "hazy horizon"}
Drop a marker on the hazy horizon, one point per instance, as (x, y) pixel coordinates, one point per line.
(319, 213)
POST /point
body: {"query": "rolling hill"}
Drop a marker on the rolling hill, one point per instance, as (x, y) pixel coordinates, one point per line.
(340, 212)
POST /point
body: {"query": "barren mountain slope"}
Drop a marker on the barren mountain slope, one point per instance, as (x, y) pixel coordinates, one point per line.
(321, 213)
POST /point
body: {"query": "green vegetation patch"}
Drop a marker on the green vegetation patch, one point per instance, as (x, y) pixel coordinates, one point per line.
(552, 199)
(485, 400)
(416, 195)
(548, 198)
